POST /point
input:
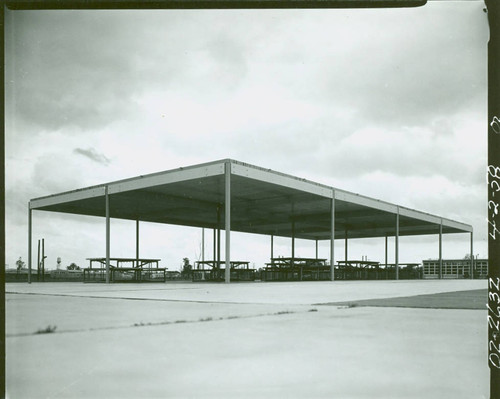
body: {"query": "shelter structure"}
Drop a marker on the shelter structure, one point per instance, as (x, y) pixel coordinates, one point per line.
(233, 196)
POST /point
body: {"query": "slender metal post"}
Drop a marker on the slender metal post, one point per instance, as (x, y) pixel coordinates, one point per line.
(227, 216)
(215, 246)
(137, 243)
(386, 267)
(345, 248)
(292, 263)
(441, 250)
(272, 247)
(396, 260)
(218, 238)
(332, 239)
(218, 248)
(106, 197)
(203, 244)
(30, 232)
(43, 260)
(38, 263)
(471, 256)
(293, 241)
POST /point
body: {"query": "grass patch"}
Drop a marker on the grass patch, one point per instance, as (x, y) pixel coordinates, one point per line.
(470, 299)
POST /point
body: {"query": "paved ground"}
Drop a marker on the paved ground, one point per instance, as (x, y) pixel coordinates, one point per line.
(256, 340)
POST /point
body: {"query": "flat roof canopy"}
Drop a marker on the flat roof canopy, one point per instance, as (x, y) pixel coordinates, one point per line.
(262, 202)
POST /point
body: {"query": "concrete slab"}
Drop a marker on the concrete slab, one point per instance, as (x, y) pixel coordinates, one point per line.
(27, 314)
(147, 341)
(306, 292)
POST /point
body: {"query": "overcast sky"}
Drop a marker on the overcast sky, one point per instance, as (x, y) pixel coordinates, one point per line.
(389, 103)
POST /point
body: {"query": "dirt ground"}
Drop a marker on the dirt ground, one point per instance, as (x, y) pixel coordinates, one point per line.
(255, 340)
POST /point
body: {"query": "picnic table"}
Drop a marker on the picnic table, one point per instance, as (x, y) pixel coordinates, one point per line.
(211, 270)
(296, 269)
(124, 269)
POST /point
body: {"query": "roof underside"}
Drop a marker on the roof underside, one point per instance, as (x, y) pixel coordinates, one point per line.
(262, 202)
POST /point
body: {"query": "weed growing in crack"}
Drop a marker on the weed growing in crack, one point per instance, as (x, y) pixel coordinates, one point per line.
(47, 330)
(348, 305)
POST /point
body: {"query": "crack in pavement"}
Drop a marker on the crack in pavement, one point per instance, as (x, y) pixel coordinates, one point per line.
(155, 324)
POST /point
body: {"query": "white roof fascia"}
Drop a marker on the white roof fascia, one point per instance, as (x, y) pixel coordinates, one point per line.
(365, 201)
(426, 217)
(457, 225)
(70, 196)
(168, 177)
(434, 219)
(269, 176)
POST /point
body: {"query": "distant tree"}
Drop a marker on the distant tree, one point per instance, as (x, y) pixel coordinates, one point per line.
(20, 264)
(73, 266)
(187, 269)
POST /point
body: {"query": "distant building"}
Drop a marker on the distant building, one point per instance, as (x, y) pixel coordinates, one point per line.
(66, 275)
(455, 268)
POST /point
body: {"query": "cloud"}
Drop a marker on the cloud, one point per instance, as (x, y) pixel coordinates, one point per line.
(83, 69)
(93, 155)
(95, 72)
(398, 76)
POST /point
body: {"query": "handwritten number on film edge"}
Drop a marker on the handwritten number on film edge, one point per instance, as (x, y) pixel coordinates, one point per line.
(495, 125)
(494, 298)
(493, 172)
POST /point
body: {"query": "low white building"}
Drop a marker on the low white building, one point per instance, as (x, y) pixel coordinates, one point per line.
(455, 268)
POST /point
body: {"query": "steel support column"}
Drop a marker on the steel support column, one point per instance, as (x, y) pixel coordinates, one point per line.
(42, 266)
(396, 260)
(203, 244)
(38, 263)
(217, 264)
(137, 243)
(471, 255)
(332, 239)
(106, 197)
(441, 250)
(215, 246)
(272, 247)
(30, 232)
(386, 258)
(227, 217)
(218, 248)
(345, 248)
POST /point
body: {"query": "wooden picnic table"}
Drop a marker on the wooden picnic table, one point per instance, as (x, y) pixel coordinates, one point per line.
(140, 269)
